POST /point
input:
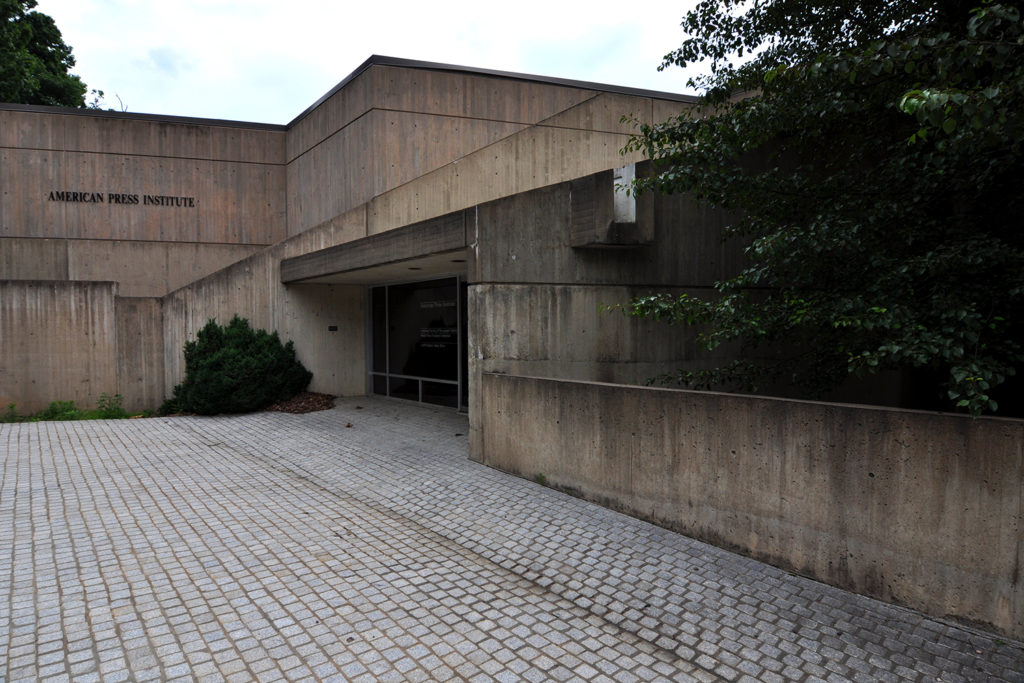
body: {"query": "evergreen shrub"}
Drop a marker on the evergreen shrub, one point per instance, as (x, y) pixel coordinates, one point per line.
(235, 369)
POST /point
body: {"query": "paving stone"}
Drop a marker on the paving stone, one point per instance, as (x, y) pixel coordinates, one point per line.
(279, 547)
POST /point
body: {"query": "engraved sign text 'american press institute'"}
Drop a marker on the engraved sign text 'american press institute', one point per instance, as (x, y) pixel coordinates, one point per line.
(121, 198)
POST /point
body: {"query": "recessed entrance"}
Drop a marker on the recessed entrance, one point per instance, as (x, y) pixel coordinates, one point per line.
(418, 344)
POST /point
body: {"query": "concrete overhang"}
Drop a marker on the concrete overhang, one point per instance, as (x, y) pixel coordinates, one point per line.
(432, 248)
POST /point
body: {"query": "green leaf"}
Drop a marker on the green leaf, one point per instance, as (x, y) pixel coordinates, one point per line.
(882, 165)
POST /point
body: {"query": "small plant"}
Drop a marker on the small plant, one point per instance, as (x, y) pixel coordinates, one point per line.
(235, 369)
(540, 479)
(170, 406)
(109, 407)
(58, 410)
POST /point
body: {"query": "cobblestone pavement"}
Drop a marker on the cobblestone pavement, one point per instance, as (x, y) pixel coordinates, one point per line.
(361, 544)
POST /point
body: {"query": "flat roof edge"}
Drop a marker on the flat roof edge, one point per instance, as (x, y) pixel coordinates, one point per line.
(373, 60)
(138, 116)
(382, 60)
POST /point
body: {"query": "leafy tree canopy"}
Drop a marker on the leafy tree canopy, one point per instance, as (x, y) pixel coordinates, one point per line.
(34, 60)
(872, 150)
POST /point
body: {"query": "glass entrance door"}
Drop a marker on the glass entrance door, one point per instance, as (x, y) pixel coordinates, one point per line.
(418, 342)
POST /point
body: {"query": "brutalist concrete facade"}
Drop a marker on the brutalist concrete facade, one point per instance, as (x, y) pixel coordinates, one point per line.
(122, 234)
(190, 219)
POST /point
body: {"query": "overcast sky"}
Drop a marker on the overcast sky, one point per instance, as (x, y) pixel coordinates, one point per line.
(267, 60)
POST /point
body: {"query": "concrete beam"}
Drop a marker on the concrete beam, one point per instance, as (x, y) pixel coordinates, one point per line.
(442, 234)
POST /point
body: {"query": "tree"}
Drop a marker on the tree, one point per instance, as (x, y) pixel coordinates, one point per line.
(34, 60)
(872, 150)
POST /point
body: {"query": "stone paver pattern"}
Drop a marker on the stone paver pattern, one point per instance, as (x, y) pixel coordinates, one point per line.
(361, 544)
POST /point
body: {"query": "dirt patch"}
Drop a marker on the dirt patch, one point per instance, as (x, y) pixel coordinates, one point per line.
(304, 402)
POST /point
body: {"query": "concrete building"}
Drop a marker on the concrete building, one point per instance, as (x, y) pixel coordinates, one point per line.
(448, 235)
(417, 225)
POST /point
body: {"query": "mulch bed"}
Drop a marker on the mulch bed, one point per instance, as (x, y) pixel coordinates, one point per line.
(305, 402)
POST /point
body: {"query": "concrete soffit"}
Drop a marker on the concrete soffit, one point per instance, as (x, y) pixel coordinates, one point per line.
(431, 248)
(445, 245)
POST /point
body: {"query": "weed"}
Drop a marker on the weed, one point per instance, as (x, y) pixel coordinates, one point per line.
(11, 414)
(57, 410)
(109, 407)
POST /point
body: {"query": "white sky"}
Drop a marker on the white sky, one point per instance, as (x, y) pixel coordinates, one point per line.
(268, 60)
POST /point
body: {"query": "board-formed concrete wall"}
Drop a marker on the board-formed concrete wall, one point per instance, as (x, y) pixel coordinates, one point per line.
(303, 314)
(537, 304)
(141, 269)
(58, 342)
(390, 125)
(73, 341)
(500, 137)
(585, 138)
(149, 202)
(140, 352)
(920, 509)
(417, 144)
(233, 175)
(395, 144)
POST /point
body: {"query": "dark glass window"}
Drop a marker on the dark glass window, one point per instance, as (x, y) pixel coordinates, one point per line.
(379, 302)
(441, 394)
(416, 341)
(423, 330)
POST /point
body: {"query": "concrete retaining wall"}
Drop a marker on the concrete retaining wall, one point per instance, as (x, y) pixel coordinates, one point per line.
(920, 509)
(141, 269)
(58, 342)
(140, 352)
(72, 341)
(303, 314)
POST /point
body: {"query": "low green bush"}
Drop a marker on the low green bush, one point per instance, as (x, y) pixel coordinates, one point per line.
(58, 410)
(107, 408)
(235, 369)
